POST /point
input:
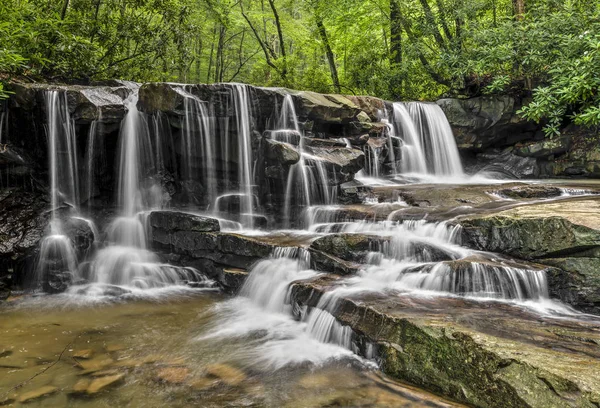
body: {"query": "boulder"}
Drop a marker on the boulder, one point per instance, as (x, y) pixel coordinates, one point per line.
(533, 232)
(486, 121)
(172, 221)
(280, 152)
(530, 191)
(372, 106)
(292, 137)
(506, 164)
(86, 103)
(325, 108)
(340, 163)
(349, 247)
(544, 148)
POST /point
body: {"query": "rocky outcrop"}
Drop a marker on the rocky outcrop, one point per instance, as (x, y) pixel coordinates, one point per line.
(563, 234)
(193, 240)
(486, 121)
(466, 351)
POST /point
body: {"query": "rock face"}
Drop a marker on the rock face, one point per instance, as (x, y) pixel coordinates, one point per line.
(467, 351)
(482, 122)
(196, 241)
(492, 137)
(563, 234)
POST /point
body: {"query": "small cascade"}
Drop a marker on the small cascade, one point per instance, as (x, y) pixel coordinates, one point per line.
(241, 101)
(197, 148)
(307, 181)
(478, 279)
(57, 260)
(263, 310)
(420, 143)
(437, 140)
(126, 261)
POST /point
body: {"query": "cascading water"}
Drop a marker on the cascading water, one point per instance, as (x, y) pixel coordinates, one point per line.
(241, 100)
(263, 310)
(57, 260)
(437, 140)
(420, 143)
(126, 261)
(307, 181)
(197, 148)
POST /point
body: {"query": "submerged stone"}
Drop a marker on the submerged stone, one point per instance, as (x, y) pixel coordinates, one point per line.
(99, 384)
(37, 393)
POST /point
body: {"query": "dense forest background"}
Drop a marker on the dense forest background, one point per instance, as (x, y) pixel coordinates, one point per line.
(394, 49)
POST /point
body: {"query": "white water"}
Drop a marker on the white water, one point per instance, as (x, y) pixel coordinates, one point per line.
(263, 312)
(126, 261)
(197, 147)
(57, 254)
(241, 100)
(307, 181)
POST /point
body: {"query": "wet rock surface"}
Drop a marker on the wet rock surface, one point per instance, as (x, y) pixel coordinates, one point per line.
(480, 354)
(563, 234)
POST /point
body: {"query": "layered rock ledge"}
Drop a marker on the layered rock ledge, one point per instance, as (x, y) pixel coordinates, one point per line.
(482, 354)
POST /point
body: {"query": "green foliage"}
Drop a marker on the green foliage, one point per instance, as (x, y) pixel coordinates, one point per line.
(550, 53)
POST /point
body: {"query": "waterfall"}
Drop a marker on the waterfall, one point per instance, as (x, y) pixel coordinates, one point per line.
(421, 140)
(126, 261)
(57, 260)
(64, 180)
(307, 182)
(263, 311)
(90, 158)
(437, 140)
(197, 148)
(241, 102)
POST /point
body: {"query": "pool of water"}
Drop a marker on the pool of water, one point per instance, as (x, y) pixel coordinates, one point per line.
(173, 351)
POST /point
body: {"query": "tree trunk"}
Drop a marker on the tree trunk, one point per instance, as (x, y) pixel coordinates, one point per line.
(395, 34)
(330, 56)
(212, 50)
(280, 35)
(519, 9)
(63, 12)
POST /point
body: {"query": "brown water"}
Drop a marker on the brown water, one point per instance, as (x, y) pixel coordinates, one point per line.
(155, 353)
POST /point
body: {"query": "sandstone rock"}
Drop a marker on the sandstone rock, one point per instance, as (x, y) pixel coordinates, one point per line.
(486, 121)
(100, 384)
(531, 191)
(325, 108)
(468, 351)
(95, 364)
(322, 261)
(172, 375)
(544, 148)
(37, 393)
(507, 164)
(283, 153)
(226, 373)
(85, 354)
(171, 221)
(81, 386)
(537, 231)
(233, 279)
(292, 137)
(350, 247)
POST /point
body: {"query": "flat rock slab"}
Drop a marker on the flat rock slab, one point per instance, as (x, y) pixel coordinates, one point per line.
(483, 353)
(101, 383)
(37, 393)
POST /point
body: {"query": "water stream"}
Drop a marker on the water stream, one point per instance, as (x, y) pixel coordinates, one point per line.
(267, 342)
